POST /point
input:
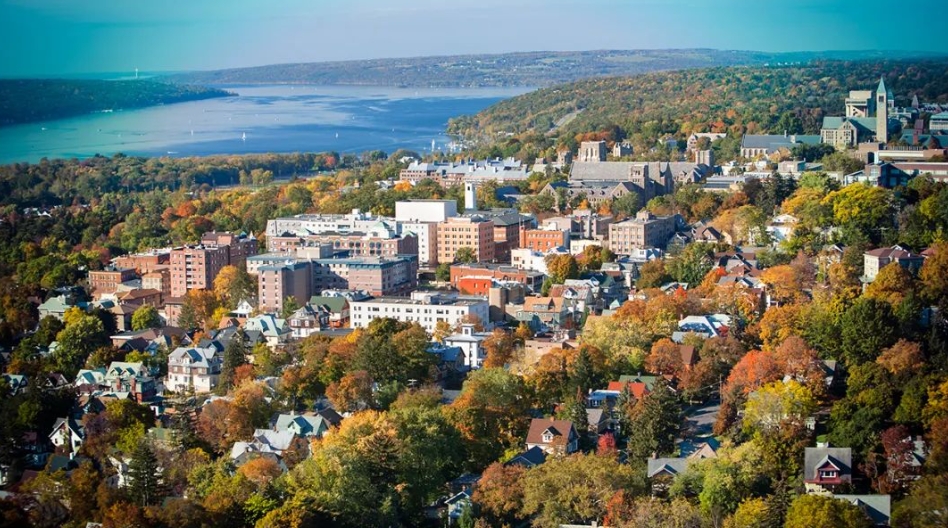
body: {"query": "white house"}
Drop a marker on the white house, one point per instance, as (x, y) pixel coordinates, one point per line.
(67, 434)
(195, 369)
(471, 345)
(781, 227)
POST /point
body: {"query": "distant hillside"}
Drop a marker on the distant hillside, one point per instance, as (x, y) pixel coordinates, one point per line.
(28, 100)
(734, 99)
(533, 69)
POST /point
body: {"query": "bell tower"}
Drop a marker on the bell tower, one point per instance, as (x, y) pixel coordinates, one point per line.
(882, 113)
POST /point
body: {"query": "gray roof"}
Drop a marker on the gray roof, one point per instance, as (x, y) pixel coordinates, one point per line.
(877, 507)
(673, 466)
(622, 170)
(529, 458)
(307, 424)
(867, 124)
(774, 142)
(816, 457)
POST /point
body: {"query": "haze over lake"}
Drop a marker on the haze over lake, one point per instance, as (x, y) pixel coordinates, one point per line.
(277, 118)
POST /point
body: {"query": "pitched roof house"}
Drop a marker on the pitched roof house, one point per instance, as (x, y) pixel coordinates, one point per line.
(552, 436)
(826, 468)
(877, 507)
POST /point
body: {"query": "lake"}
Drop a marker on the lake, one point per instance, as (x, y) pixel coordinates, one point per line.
(278, 118)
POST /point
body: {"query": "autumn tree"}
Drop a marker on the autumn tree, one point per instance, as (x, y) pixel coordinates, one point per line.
(562, 267)
(499, 493)
(934, 273)
(500, 346)
(892, 284)
(352, 393)
(664, 358)
(232, 285)
(904, 359)
(574, 489)
(817, 511)
(652, 274)
(776, 404)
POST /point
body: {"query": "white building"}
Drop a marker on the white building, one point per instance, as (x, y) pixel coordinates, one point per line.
(527, 259)
(425, 210)
(470, 343)
(316, 224)
(424, 308)
(781, 227)
(194, 369)
(427, 235)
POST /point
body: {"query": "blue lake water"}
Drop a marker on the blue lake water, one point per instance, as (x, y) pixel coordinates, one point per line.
(261, 119)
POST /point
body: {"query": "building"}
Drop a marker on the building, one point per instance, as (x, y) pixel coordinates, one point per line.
(622, 149)
(108, 280)
(433, 211)
(875, 260)
(425, 308)
(507, 226)
(532, 280)
(644, 231)
(426, 234)
(553, 436)
(194, 369)
(592, 151)
(240, 246)
(196, 267)
(877, 507)
(449, 174)
(867, 119)
(543, 240)
(827, 468)
(160, 280)
(144, 262)
(695, 138)
(938, 122)
(471, 345)
(755, 145)
(277, 282)
(891, 175)
(475, 232)
(379, 243)
(378, 276)
(274, 330)
(315, 224)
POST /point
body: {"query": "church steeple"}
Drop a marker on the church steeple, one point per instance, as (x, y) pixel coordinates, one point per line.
(882, 112)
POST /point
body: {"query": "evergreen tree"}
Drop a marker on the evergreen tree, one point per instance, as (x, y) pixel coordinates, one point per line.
(655, 423)
(584, 376)
(187, 319)
(144, 481)
(576, 413)
(235, 355)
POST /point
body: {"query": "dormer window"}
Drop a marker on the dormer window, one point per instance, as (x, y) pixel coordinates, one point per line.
(828, 474)
(547, 437)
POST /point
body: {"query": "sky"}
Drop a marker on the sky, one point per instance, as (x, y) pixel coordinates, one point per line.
(72, 37)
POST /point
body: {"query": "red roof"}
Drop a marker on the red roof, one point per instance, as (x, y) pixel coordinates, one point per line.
(637, 388)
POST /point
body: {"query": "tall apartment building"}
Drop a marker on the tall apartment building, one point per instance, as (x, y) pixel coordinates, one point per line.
(240, 246)
(108, 280)
(421, 217)
(144, 262)
(544, 240)
(644, 231)
(475, 232)
(427, 235)
(425, 308)
(195, 267)
(277, 282)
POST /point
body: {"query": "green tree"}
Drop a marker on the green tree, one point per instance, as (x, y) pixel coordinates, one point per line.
(866, 329)
(692, 264)
(146, 317)
(145, 481)
(443, 272)
(290, 306)
(235, 355)
(465, 255)
(627, 204)
(77, 342)
(654, 423)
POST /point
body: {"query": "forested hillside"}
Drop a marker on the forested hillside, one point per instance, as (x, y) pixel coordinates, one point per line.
(28, 100)
(736, 100)
(535, 68)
